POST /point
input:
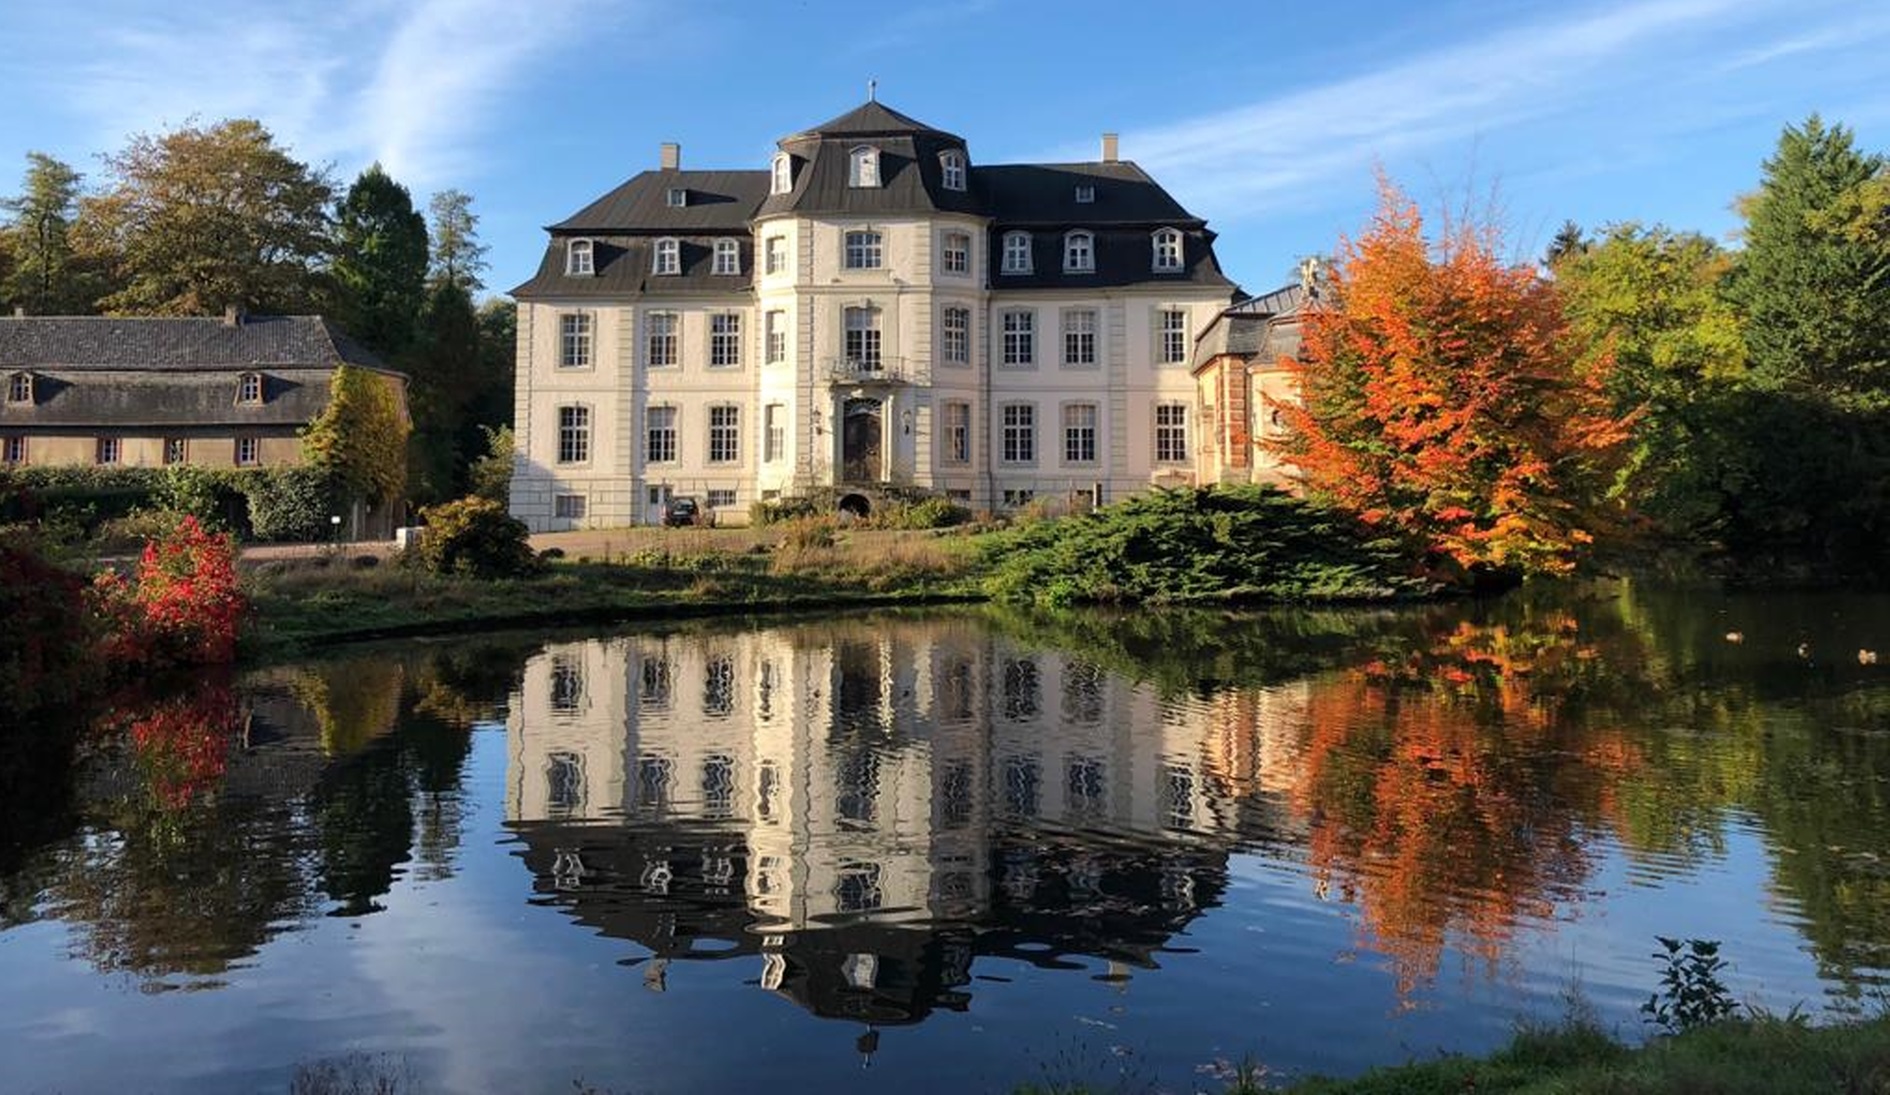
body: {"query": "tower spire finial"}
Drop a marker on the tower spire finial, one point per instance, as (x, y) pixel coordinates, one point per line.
(872, 91)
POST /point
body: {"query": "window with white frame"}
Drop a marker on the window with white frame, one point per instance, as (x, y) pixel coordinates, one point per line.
(955, 335)
(725, 434)
(1171, 433)
(1014, 497)
(720, 498)
(107, 450)
(1085, 195)
(863, 251)
(774, 335)
(955, 253)
(951, 165)
(1016, 253)
(863, 167)
(677, 197)
(574, 435)
(248, 452)
(775, 250)
(1019, 437)
(725, 340)
(568, 507)
(1079, 433)
(1079, 338)
(660, 338)
(1167, 246)
(1019, 327)
(249, 388)
(1079, 253)
(861, 339)
(659, 435)
(578, 259)
(174, 450)
(20, 388)
(574, 340)
(958, 433)
(15, 452)
(667, 258)
(728, 257)
(781, 178)
(1172, 328)
(773, 432)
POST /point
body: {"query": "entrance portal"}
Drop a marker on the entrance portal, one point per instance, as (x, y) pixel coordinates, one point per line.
(860, 442)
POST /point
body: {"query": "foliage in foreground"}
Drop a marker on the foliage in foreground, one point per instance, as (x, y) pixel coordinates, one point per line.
(1200, 546)
(475, 537)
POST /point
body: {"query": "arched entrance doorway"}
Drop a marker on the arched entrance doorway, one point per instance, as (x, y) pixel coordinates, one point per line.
(856, 505)
(861, 459)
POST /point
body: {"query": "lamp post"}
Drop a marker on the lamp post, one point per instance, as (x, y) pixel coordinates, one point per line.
(334, 521)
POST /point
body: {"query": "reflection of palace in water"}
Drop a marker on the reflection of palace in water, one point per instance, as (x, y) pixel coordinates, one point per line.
(867, 811)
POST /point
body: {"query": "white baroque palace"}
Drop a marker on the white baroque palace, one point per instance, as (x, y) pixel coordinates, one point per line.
(872, 310)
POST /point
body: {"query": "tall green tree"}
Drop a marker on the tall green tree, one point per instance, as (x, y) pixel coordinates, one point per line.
(1813, 283)
(498, 363)
(44, 275)
(380, 266)
(444, 366)
(208, 216)
(458, 256)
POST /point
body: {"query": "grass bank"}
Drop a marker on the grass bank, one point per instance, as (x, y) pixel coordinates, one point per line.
(336, 597)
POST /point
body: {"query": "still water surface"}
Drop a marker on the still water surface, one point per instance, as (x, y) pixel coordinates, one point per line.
(954, 852)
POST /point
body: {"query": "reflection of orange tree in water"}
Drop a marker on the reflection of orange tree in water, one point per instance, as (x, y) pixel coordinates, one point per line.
(1448, 786)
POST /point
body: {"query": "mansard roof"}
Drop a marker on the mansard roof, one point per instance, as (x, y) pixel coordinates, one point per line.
(1260, 328)
(1031, 194)
(713, 201)
(869, 119)
(624, 264)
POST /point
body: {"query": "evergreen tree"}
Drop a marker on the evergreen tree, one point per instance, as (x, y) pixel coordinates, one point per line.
(458, 256)
(498, 364)
(1568, 241)
(444, 367)
(380, 268)
(1814, 282)
(43, 274)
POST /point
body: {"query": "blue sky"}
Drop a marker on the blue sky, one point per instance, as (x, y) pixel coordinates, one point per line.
(1264, 117)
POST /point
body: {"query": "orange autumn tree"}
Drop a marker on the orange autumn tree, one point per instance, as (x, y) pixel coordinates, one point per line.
(1443, 399)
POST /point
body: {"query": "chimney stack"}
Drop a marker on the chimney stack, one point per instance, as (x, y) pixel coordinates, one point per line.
(232, 315)
(1109, 150)
(672, 156)
(19, 311)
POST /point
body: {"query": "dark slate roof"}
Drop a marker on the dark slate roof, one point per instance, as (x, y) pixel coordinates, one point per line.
(911, 180)
(872, 118)
(1026, 194)
(175, 398)
(150, 343)
(623, 264)
(1262, 327)
(1123, 256)
(717, 201)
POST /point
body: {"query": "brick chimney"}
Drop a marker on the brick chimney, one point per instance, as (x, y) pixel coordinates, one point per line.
(19, 311)
(1109, 149)
(672, 156)
(232, 315)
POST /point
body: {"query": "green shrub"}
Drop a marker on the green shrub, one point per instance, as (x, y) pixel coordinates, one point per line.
(490, 475)
(476, 537)
(924, 513)
(803, 533)
(291, 504)
(84, 494)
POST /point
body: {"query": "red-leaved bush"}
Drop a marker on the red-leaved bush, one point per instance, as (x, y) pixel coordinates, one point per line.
(184, 607)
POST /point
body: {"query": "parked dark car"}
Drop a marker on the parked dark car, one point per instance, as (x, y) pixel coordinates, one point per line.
(685, 511)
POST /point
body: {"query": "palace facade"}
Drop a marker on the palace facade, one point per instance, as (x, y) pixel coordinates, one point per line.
(871, 310)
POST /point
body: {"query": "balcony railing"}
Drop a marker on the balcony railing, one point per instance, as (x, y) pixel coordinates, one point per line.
(887, 370)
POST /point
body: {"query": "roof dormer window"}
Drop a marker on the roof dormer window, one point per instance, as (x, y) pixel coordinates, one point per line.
(951, 165)
(20, 388)
(678, 197)
(728, 257)
(782, 176)
(863, 167)
(249, 388)
(1079, 253)
(667, 258)
(1167, 248)
(1085, 195)
(578, 259)
(1016, 253)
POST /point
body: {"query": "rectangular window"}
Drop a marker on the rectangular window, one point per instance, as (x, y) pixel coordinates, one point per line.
(725, 340)
(20, 388)
(776, 251)
(1014, 498)
(15, 450)
(775, 333)
(574, 341)
(107, 452)
(721, 498)
(249, 389)
(1079, 433)
(661, 339)
(1020, 339)
(1079, 253)
(1016, 253)
(728, 258)
(659, 435)
(774, 432)
(574, 435)
(863, 251)
(725, 434)
(1173, 326)
(173, 450)
(958, 433)
(955, 255)
(578, 259)
(862, 340)
(1171, 433)
(667, 259)
(1079, 338)
(568, 507)
(955, 336)
(248, 452)
(1020, 433)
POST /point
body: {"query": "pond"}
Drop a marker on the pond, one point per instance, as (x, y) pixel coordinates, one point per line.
(955, 851)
